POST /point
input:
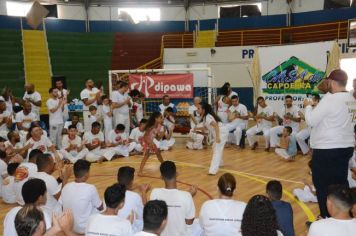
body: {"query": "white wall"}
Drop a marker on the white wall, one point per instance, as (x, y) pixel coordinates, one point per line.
(228, 63)
(2, 7)
(71, 12)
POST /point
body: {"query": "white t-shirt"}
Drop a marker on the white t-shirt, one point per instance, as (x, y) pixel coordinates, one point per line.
(3, 171)
(219, 214)
(193, 111)
(36, 97)
(9, 221)
(24, 172)
(8, 104)
(53, 188)
(8, 190)
(222, 106)
(294, 112)
(162, 107)
(142, 233)
(180, 207)
(139, 111)
(208, 120)
(331, 121)
(55, 118)
(115, 138)
(18, 145)
(26, 120)
(43, 144)
(332, 227)
(106, 110)
(89, 137)
(83, 199)
(66, 142)
(137, 135)
(117, 97)
(133, 203)
(266, 112)
(3, 116)
(240, 109)
(89, 94)
(79, 126)
(109, 225)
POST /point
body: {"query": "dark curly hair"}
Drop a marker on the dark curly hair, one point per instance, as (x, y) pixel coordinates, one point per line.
(259, 218)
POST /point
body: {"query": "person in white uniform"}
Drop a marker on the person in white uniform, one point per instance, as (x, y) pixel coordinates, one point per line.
(264, 117)
(137, 134)
(24, 119)
(181, 209)
(63, 94)
(121, 103)
(155, 216)
(290, 118)
(219, 132)
(75, 120)
(80, 197)
(90, 96)
(94, 141)
(195, 121)
(7, 188)
(304, 134)
(225, 207)
(108, 222)
(46, 167)
(119, 141)
(34, 193)
(107, 116)
(5, 120)
(6, 95)
(55, 110)
(223, 103)
(339, 204)
(73, 148)
(238, 118)
(230, 91)
(166, 102)
(34, 98)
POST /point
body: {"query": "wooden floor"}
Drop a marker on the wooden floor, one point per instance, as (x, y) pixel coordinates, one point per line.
(252, 170)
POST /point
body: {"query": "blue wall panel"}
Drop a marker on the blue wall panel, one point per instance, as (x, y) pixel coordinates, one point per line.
(123, 26)
(316, 17)
(252, 22)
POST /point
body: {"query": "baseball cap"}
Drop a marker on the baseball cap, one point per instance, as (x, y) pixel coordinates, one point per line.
(337, 75)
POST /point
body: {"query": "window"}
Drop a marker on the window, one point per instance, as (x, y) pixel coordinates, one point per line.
(348, 65)
(139, 14)
(240, 10)
(18, 8)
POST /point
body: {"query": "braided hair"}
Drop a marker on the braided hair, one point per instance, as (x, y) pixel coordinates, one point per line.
(259, 218)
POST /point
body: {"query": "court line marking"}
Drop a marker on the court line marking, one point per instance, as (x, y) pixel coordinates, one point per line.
(253, 177)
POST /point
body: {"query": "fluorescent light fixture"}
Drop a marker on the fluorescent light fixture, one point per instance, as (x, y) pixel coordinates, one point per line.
(18, 8)
(142, 14)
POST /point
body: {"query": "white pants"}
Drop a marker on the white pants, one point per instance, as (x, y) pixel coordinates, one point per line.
(282, 153)
(55, 134)
(301, 137)
(124, 150)
(95, 155)
(165, 144)
(74, 157)
(223, 116)
(218, 151)
(107, 128)
(197, 140)
(138, 147)
(305, 195)
(122, 119)
(251, 134)
(274, 132)
(87, 122)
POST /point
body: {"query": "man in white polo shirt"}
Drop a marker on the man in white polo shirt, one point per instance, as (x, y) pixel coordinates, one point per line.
(34, 98)
(332, 137)
(120, 104)
(181, 209)
(154, 218)
(339, 203)
(90, 97)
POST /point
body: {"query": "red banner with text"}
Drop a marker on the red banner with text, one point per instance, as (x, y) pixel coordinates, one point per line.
(155, 86)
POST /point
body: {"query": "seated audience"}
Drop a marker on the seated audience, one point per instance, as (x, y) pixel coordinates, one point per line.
(94, 141)
(137, 134)
(225, 207)
(339, 203)
(288, 145)
(155, 215)
(166, 102)
(7, 190)
(259, 218)
(181, 208)
(284, 211)
(74, 121)
(24, 119)
(80, 197)
(14, 146)
(119, 141)
(3, 168)
(108, 222)
(5, 120)
(73, 148)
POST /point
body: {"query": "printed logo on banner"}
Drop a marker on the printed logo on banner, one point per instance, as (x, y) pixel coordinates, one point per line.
(292, 77)
(155, 86)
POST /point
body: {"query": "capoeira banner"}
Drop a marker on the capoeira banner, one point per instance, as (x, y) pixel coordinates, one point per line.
(293, 69)
(155, 86)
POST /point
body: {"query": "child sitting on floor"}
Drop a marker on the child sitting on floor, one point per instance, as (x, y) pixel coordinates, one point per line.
(288, 145)
(8, 190)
